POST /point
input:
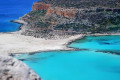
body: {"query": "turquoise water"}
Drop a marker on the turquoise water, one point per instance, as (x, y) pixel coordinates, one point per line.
(86, 64)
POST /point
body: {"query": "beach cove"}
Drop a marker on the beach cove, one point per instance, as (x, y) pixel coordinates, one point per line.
(16, 43)
(76, 57)
(62, 58)
(97, 59)
(68, 58)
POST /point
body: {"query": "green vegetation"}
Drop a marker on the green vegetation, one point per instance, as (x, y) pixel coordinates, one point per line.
(36, 19)
(51, 19)
(98, 23)
(37, 13)
(100, 20)
(83, 3)
(110, 23)
(77, 27)
(40, 24)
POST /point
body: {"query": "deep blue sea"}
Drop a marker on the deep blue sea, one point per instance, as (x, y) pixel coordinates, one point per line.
(99, 60)
(12, 10)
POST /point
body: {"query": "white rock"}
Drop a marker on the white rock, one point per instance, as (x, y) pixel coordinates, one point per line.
(13, 69)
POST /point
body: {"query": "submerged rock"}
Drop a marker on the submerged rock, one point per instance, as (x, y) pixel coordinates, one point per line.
(13, 69)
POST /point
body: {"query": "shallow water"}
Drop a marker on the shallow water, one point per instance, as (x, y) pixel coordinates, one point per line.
(12, 10)
(79, 65)
(98, 43)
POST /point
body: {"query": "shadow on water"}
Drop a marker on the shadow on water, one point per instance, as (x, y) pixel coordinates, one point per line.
(33, 57)
(116, 52)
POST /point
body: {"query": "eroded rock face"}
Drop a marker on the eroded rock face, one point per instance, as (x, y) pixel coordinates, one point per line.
(69, 13)
(40, 6)
(13, 69)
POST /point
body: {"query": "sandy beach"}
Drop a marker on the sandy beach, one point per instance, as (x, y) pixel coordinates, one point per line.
(16, 43)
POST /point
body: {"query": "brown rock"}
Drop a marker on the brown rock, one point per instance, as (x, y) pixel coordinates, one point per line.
(69, 13)
(40, 6)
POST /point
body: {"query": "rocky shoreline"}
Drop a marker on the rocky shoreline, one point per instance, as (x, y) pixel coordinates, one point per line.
(13, 69)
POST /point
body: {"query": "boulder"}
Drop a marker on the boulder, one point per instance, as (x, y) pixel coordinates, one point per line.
(13, 69)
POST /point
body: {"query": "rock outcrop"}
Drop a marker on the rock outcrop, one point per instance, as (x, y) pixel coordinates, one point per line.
(12, 69)
(40, 6)
(69, 13)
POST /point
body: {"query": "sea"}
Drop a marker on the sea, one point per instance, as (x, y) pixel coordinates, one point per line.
(12, 10)
(95, 57)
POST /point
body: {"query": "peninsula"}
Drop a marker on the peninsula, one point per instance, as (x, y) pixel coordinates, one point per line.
(53, 18)
(52, 24)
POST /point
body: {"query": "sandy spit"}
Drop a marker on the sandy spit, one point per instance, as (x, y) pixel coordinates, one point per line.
(16, 43)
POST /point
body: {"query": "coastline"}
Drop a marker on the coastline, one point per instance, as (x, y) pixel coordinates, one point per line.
(21, 22)
(12, 69)
(15, 43)
(20, 42)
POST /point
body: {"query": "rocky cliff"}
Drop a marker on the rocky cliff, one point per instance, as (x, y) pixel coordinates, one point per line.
(40, 6)
(12, 69)
(69, 13)
(66, 12)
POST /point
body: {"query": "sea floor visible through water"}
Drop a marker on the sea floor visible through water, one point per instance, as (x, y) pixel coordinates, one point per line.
(99, 60)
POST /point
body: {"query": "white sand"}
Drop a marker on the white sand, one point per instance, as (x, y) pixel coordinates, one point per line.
(16, 43)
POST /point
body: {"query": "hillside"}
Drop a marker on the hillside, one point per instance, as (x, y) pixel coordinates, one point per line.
(84, 3)
(58, 17)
